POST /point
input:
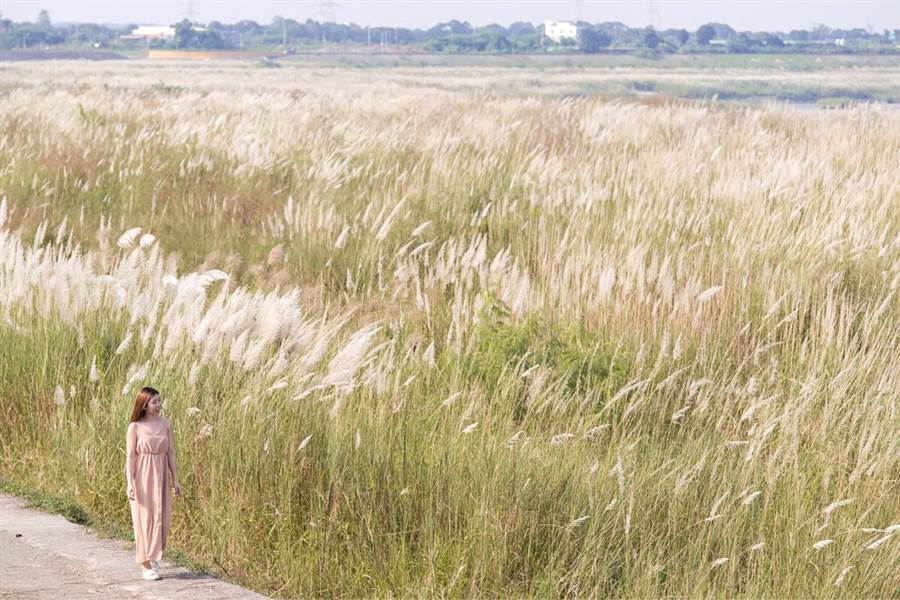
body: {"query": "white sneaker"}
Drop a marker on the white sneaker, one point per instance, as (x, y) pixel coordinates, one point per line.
(150, 575)
(154, 564)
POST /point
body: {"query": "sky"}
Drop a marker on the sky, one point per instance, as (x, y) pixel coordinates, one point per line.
(755, 15)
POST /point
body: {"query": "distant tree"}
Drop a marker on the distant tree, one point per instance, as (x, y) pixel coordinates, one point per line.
(649, 38)
(498, 43)
(723, 30)
(210, 40)
(311, 30)
(853, 34)
(492, 28)
(184, 34)
(681, 36)
(248, 26)
(43, 20)
(460, 28)
(187, 36)
(520, 28)
(821, 33)
(612, 28)
(593, 41)
(527, 43)
(404, 35)
(706, 34)
(740, 44)
(453, 27)
(772, 40)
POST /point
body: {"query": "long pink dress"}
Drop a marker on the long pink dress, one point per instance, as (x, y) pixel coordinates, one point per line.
(148, 445)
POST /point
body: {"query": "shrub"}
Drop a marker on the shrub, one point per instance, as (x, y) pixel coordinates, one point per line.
(573, 354)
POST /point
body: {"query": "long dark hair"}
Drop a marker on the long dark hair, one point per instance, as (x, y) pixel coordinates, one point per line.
(140, 402)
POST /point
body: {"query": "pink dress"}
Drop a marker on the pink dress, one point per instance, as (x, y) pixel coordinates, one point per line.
(148, 445)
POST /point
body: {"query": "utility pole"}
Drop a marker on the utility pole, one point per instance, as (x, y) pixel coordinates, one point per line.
(283, 31)
(652, 13)
(578, 4)
(190, 10)
(327, 10)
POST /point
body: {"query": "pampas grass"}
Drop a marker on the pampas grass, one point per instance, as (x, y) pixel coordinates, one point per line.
(416, 342)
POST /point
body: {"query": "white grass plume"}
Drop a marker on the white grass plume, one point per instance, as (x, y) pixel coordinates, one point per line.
(709, 294)
(839, 580)
(126, 240)
(59, 397)
(343, 366)
(749, 498)
(94, 375)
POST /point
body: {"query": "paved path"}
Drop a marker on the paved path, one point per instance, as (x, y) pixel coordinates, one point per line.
(44, 556)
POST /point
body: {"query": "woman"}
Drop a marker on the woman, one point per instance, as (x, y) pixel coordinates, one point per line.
(150, 451)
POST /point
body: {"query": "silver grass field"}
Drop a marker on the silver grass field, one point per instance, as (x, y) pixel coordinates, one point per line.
(419, 337)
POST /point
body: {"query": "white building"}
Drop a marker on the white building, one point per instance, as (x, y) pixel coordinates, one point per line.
(559, 30)
(150, 32)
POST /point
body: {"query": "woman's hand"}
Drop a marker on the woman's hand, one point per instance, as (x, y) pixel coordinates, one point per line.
(177, 489)
(130, 492)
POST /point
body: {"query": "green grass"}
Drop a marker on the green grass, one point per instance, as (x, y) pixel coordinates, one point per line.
(623, 320)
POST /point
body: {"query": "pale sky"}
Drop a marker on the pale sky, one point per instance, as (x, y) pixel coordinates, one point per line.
(770, 15)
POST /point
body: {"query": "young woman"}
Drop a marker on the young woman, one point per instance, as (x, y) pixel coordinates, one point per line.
(150, 451)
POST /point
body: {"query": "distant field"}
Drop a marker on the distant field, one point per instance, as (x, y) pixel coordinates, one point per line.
(827, 80)
(466, 331)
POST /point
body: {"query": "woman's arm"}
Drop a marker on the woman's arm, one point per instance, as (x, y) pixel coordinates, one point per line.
(170, 457)
(130, 451)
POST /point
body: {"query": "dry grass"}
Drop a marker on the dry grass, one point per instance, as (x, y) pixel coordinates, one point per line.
(419, 342)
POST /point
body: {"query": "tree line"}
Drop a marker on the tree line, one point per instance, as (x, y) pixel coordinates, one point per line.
(454, 37)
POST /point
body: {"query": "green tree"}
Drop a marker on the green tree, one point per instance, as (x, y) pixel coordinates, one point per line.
(593, 41)
(705, 34)
(43, 20)
(649, 38)
(681, 36)
(184, 34)
(187, 36)
(740, 44)
(772, 40)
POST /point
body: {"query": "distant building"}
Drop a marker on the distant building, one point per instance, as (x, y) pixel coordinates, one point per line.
(559, 30)
(840, 42)
(150, 32)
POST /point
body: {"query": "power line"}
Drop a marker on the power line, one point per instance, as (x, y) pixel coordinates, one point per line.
(328, 10)
(190, 11)
(652, 13)
(578, 5)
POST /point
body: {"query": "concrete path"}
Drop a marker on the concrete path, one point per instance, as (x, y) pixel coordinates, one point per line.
(44, 556)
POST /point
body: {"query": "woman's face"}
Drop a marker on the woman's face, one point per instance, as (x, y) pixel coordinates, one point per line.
(154, 405)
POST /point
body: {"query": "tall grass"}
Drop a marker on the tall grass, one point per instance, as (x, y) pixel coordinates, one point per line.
(421, 343)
